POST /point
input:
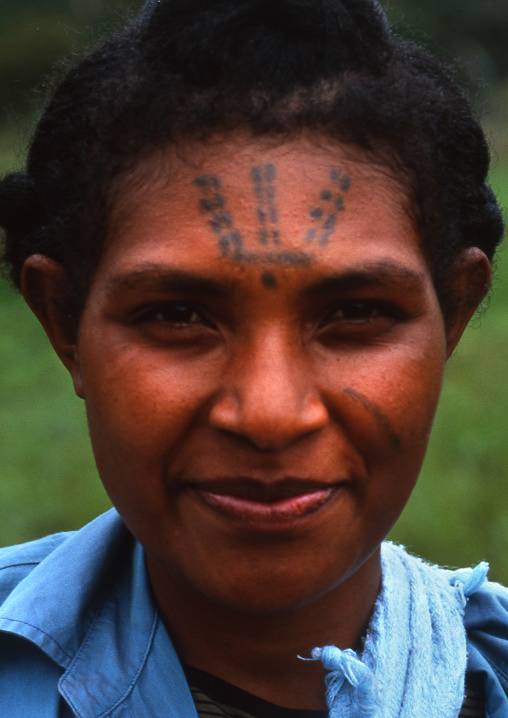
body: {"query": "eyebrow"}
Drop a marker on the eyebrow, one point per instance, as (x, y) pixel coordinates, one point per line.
(386, 273)
(157, 278)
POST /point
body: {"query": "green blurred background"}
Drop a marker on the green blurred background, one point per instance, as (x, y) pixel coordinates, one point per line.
(458, 514)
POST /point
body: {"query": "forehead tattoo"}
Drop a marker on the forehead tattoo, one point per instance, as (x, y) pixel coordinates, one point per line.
(213, 203)
(270, 250)
(263, 179)
(331, 202)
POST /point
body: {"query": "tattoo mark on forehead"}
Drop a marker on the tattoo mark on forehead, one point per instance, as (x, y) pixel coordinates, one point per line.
(214, 204)
(263, 179)
(376, 412)
(331, 202)
(280, 259)
(221, 221)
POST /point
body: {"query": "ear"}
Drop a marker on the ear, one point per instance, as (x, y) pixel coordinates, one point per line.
(50, 294)
(468, 282)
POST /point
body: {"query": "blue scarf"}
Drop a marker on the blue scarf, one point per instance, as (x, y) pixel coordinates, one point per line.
(413, 663)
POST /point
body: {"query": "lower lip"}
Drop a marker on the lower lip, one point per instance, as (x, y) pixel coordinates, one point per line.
(272, 516)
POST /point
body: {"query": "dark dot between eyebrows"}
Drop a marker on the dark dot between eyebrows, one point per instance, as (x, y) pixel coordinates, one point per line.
(326, 195)
(269, 280)
(316, 213)
(346, 183)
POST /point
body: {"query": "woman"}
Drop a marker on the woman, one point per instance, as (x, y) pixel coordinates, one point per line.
(241, 229)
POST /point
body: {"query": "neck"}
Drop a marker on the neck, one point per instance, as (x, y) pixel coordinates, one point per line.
(259, 652)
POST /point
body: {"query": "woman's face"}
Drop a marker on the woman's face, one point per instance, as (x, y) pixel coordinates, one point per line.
(261, 356)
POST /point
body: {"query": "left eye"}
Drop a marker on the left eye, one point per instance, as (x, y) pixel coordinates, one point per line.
(361, 310)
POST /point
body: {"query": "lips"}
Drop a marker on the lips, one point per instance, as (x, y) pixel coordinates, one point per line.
(258, 506)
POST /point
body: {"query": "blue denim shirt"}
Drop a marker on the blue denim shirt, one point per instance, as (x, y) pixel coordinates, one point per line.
(96, 647)
(94, 636)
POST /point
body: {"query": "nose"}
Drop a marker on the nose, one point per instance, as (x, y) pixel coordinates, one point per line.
(269, 395)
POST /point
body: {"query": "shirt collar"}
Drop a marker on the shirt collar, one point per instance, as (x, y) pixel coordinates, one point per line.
(88, 607)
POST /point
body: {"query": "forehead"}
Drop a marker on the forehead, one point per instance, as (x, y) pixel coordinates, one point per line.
(262, 203)
(237, 161)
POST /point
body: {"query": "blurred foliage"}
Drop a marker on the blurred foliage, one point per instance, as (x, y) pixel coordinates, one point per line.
(471, 30)
(458, 514)
(36, 37)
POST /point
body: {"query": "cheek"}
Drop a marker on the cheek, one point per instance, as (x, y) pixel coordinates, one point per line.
(140, 407)
(413, 386)
(388, 399)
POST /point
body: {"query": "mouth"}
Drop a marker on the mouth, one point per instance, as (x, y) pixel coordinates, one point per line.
(261, 507)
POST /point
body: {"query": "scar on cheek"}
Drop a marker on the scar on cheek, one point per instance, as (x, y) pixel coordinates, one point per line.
(325, 212)
(269, 280)
(376, 412)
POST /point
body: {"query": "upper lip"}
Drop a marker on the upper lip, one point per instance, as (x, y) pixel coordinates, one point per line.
(264, 490)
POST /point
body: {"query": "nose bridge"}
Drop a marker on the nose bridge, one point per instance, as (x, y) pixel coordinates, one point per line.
(272, 369)
(269, 394)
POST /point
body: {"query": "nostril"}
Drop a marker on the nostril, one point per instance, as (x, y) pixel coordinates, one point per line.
(269, 422)
(225, 413)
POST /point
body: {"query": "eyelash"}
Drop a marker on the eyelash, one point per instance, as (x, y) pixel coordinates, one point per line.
(359, 307)
(349, 315)
(162, 313)
(361, 312)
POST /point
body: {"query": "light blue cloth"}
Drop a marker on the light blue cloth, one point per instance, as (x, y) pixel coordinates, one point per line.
(80, 636)
(414, 659)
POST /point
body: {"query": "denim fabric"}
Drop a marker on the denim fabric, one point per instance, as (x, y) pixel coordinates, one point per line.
(486, 622)
(102, 650)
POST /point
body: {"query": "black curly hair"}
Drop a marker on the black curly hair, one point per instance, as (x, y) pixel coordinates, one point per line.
(191, 68)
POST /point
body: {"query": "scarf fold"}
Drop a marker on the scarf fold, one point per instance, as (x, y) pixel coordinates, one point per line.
(414, 659)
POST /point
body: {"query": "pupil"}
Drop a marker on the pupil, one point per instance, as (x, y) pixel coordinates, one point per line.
(358, 310)
(180, 313)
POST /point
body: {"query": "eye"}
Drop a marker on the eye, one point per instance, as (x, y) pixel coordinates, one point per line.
(362, 310)
(359, 320)
(176, 314)
(172, 315)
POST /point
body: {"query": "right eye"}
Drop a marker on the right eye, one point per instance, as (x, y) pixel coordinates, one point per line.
(172, 322)
(174, 313)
